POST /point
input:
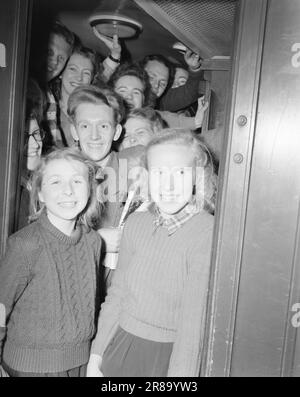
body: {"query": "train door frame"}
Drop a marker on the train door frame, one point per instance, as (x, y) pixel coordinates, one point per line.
(235, 167)
(255, 294)
(231, 203)
(15, 22)
(234, 175)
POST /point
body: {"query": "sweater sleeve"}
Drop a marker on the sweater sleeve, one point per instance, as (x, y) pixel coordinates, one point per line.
(181, 97)
(187, 350)
(178, 120)
(109, 67)
(110, 311)
(14, 277)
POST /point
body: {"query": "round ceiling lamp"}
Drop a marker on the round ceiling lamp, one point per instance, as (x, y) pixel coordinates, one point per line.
(111, 24)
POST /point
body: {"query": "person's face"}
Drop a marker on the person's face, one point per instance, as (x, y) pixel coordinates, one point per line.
(171, 177)
(96, 130)
(138, 131)
(180, 78)
(131, 89)
(158, 76)
(33, 147)
(78, 71)
(64, 189)
(58, 53)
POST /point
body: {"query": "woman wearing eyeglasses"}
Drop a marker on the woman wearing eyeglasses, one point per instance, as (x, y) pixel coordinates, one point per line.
(33, 145)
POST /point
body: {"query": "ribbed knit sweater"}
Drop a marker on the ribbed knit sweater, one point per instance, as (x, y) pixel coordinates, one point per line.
(48, 288)
(159, 289)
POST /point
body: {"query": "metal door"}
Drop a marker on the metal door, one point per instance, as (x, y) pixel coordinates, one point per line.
(255, 283)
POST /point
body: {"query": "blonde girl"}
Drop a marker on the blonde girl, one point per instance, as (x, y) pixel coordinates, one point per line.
(152, 321)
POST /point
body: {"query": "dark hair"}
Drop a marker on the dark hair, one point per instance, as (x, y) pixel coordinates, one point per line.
(135, 70)
(91, 213)
(94, 95)
(161, 59)
(85, 52)
(61, 30)
(35, 102)
(178, 66)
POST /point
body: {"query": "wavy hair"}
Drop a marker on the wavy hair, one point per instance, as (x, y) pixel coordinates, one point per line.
(85, 52)
(206, 180)
(135, 70)
(94, 95)
(90, 215)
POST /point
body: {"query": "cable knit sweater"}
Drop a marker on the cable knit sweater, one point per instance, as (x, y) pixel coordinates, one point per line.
(159, 289)
(48, 288)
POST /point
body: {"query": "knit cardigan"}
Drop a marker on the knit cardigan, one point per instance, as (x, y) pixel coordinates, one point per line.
(159, 289)
(48, 287)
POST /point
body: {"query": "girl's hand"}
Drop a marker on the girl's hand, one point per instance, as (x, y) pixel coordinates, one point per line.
(192, 59)
(111, 237)
(113, 44)
(202, 106)
(93, 367)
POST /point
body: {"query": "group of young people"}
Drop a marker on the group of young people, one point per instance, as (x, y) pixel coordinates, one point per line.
(117, 147)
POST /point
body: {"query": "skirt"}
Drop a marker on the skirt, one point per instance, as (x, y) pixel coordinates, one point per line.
(128, 355)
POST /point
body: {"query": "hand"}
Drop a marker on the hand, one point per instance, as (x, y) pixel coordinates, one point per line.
(111, 237)
(192, 59)
(202, 106)
(113, 44)
(93, 367)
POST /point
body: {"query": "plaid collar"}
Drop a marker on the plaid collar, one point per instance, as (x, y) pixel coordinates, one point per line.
(173, 223)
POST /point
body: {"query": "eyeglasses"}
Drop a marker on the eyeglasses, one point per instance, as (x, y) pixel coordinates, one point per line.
(38, 135)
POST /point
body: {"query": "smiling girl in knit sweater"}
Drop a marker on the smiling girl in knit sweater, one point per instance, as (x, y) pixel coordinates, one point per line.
(152, 321)
(48, 276)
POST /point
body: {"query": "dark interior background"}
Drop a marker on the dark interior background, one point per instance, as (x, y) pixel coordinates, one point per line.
(201, 24)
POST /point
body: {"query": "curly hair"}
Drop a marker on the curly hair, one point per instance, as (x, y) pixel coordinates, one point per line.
(135, 70)
(90, 216)
(85, 52)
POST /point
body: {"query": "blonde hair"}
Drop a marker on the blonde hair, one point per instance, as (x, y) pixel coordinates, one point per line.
(90, 215)
(206, 181)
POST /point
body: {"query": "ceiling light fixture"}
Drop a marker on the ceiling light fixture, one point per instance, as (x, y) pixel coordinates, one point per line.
(111, 24)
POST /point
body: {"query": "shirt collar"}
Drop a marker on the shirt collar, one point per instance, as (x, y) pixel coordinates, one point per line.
(175, 222)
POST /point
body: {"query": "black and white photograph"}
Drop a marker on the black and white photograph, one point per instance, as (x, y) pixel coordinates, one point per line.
(150, 191)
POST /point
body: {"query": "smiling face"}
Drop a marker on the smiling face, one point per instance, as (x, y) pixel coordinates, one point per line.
(158, 77)
(64, 190)
(96, 130)
(131, 89)
(79, 71)
(138, 131)
(180, 78)
(58, 53)
(172, 177)
(33, 148)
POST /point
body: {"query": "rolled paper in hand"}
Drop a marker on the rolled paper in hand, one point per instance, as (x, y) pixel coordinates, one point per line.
(111, 260)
